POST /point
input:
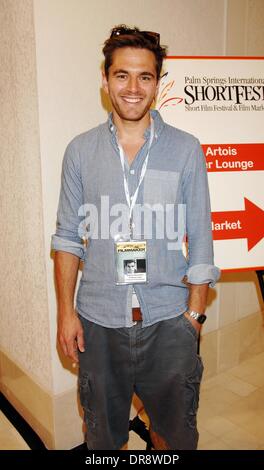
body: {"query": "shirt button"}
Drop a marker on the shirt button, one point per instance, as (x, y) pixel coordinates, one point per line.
(132, 172)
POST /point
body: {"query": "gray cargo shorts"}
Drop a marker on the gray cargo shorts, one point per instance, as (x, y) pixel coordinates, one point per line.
(159, 363)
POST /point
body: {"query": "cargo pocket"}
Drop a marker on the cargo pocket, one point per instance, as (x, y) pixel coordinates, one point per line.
(192, 393)
(87, 401)
(189, 327)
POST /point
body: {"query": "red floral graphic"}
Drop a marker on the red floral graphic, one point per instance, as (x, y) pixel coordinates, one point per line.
(164, 99)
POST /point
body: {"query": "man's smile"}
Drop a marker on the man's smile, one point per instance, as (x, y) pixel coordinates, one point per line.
(131, 100)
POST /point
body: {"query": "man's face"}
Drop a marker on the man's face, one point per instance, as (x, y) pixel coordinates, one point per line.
(132, 83)
(130, 267)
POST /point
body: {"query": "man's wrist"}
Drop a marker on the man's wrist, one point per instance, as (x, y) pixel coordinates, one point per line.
(66, 311)
(197, 316)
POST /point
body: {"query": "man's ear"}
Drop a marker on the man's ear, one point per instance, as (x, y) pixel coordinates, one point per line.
(104, 82)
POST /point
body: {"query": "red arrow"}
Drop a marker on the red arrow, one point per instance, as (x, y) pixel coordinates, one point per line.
(248, 223)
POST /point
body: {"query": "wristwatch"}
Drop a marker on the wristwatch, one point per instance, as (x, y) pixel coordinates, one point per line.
(200, 317)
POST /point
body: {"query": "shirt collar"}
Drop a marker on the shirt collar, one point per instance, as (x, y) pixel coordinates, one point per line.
(158, 125)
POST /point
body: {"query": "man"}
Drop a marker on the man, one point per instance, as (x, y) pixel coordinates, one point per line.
(139, 337)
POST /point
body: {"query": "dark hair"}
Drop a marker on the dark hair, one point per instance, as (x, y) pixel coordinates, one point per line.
(123, 36)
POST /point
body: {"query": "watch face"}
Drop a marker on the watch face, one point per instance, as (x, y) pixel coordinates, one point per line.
(201, 318)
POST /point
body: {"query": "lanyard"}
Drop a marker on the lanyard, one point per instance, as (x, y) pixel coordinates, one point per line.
(131, 201)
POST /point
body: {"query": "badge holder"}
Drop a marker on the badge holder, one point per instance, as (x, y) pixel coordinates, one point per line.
(131, 255)
(131, 261)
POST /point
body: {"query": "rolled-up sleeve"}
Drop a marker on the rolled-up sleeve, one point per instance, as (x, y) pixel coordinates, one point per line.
(67, 236)
(201, 268)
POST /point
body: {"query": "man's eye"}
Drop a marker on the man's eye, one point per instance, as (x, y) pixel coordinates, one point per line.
(121, 76)
(145, 78)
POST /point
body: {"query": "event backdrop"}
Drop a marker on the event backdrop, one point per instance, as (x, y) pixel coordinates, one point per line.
(221, 101)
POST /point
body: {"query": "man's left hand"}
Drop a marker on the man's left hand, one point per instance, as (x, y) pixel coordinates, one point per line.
(197, 326)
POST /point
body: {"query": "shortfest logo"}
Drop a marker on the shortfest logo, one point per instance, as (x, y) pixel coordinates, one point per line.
(214, 94)
(224, 94)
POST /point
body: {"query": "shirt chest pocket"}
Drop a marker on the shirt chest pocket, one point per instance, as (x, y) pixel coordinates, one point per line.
(160, 187)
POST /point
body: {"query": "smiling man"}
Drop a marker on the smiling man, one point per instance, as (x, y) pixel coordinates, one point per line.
(134, 333)
(132, 85)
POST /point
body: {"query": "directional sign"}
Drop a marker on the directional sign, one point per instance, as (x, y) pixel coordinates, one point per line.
(240, 224)
(221, 101)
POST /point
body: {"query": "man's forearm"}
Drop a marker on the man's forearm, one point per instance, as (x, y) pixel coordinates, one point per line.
(70, 332)
(66, 271)
(198, 297)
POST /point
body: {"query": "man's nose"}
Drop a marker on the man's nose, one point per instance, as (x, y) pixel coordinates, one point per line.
(133, 84)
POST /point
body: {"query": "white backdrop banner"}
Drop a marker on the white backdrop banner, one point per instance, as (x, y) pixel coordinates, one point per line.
(221, 101)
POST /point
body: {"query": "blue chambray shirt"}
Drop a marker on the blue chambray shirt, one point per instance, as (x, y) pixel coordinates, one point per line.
(176, 175)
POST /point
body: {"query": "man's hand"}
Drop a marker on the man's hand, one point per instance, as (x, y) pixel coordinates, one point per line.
(197, 302)
(70, 332)
(70, 335)
(197, 326)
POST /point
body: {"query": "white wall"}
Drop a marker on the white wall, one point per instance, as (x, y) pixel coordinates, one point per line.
(24, 325)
